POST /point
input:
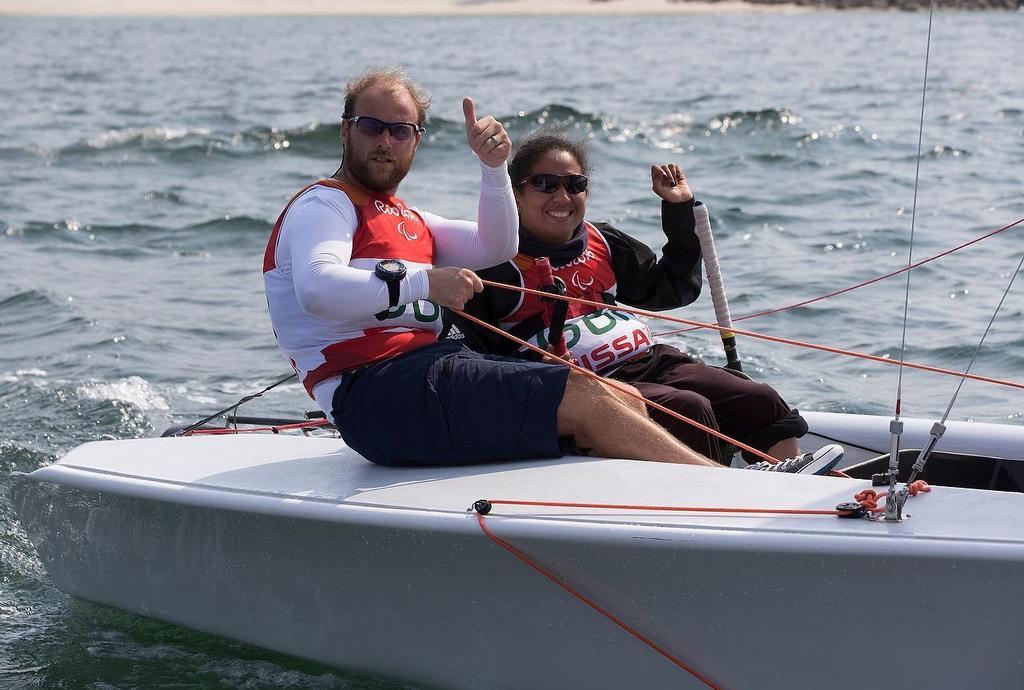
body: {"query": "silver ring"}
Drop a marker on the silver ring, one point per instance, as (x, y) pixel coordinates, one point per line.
(494, 140)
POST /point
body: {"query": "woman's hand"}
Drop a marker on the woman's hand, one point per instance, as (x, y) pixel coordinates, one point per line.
(669, 182)
(486, 137)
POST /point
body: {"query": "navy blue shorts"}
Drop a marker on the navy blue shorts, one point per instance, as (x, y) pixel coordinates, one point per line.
(444, 404)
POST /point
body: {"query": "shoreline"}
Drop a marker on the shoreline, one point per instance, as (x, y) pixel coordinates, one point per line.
(411, 8)
(465, 8)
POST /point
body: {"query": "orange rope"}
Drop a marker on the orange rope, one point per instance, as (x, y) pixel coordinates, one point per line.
(592, 604)
(869, 498)
(630, 393)
(680, 509)
(761, 336)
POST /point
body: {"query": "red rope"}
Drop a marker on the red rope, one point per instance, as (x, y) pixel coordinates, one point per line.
(592, 604)
(761, 336)
(869, 498)
(680, 509)
(858, 285)
(312, 424)
(630, 393)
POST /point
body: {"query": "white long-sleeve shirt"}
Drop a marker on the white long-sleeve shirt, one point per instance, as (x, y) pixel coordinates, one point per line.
(319, 295)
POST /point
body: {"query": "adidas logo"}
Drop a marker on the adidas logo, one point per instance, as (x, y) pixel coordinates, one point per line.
(455, 334)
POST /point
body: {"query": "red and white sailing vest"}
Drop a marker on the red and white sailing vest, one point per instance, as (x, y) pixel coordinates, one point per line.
(321, 348)
(598, 338)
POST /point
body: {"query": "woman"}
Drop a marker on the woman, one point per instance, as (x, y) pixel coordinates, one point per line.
(600, 263)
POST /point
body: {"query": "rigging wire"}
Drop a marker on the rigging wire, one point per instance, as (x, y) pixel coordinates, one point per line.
(1013, 276)
(940, 427)
(865, 283)
(913, 214)
(252, 396)
(760, 336)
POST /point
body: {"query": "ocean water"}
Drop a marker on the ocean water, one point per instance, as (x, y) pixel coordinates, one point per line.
(143, 162)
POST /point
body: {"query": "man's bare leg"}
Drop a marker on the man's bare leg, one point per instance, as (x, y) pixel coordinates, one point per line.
(598, 417)
(623, 391)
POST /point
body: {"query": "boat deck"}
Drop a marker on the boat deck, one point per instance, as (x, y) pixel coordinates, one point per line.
(320, 478)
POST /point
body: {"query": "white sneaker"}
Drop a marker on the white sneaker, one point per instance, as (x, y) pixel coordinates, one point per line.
(818, 462)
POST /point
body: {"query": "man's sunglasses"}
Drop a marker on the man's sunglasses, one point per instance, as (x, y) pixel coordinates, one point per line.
(548, 183)
(372, 127)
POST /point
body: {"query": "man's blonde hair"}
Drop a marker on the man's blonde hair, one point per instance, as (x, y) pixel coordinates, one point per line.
(393, 76)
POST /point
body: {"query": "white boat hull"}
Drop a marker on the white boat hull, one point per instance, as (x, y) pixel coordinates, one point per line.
(298, 545)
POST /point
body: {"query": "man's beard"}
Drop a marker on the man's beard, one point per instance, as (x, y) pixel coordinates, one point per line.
(380, 181)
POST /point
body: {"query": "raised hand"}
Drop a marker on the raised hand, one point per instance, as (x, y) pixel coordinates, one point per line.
(486, 136)
(669, 183)
(452, 287)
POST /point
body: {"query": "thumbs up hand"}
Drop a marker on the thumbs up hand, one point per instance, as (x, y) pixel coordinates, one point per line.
(486, 137)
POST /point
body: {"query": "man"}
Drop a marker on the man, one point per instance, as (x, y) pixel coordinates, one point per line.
(354, 281)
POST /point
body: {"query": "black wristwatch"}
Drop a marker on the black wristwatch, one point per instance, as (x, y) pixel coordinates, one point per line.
(391, 271)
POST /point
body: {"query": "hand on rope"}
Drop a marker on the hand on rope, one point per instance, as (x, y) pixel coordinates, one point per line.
(876, 279)
(763, 336)
(452, 287)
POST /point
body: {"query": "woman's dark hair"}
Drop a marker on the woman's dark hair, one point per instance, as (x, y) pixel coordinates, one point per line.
(536, 145)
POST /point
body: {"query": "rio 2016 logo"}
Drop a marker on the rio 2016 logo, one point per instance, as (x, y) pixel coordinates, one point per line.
(390, 210)
(396, 212)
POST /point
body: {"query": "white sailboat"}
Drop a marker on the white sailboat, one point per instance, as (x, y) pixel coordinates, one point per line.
(298, 545)
(576, 572)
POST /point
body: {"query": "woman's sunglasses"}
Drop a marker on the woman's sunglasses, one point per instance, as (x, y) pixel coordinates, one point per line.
(372, 127)
(548, 183)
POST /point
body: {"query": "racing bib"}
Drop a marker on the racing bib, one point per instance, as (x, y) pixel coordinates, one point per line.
(602, 339)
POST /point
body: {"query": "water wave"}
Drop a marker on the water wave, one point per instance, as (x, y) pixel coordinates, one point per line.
(942, 151)
(61, 413)
(181, 142)
(321, 139)
(192, 657)
(233, 224)
(31, 315)
(26, 299)
(841, 133)
(556, 116)
(135, 236)
(18, 458)
(133, 390)
(753, 120)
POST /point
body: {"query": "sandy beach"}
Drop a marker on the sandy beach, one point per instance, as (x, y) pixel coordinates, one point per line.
(395, 7)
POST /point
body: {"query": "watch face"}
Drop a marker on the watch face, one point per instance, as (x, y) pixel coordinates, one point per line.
(390, 269)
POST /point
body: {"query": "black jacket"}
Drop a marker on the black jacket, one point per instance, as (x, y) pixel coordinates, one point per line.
(643, 281)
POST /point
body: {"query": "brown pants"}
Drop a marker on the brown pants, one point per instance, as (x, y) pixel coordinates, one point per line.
(753, 413)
